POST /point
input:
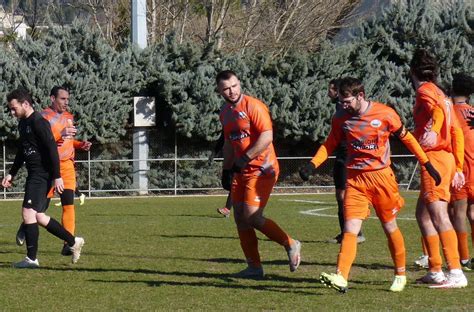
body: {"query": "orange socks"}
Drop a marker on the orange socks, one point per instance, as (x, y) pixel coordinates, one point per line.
(449, 241)
(275, 233)
(249, 244)
(69, 218)
(463, 245)
(396, 244)
(347, 254)
(432, 245)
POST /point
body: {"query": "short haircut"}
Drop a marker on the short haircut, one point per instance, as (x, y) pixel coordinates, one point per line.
(463, 85)
(424, 65)
(350, 86)
(55, 90)
(225, 75)
(21, 95)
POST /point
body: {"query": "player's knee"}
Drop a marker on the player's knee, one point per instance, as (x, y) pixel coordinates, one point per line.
(42, 219)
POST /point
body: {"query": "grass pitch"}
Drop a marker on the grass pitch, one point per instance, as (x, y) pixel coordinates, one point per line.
(178, 254)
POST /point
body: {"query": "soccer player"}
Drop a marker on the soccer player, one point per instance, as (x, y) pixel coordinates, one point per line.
(339, 172)
(37, 149)
(250, 156)
(61, 120)
(365, 126)
(438, 131)
(463, 199)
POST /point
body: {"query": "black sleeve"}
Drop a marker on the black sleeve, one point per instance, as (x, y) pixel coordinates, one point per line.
(45, 135)
(18, 162)
(220, 144)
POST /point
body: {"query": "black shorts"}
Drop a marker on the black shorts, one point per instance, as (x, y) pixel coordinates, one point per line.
(37, 187)
(339, 173)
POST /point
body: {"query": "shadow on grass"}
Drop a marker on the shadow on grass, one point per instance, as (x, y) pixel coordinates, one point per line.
(231, 283)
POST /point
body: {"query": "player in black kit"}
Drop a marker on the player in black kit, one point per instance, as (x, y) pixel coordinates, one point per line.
(37, 149)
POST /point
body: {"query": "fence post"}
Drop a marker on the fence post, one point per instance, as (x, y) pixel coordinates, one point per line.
(175, 163)
(412, 176)
(89, 172)
(4, 168)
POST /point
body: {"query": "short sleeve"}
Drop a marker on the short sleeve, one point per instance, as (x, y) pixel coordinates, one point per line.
(259, 116)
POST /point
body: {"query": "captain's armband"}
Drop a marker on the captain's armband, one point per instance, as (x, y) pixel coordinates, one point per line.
(401, 132)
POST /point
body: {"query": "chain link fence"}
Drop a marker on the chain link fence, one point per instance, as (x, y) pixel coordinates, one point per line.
(177, 168)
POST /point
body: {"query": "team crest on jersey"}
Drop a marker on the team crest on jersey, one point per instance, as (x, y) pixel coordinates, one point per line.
(242, 115)
(375, 123)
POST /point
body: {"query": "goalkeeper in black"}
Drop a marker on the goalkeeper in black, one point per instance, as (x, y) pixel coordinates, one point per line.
(38, 151)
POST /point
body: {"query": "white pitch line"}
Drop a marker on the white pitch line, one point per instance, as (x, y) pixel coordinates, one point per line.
(303, 201)
(315, 212)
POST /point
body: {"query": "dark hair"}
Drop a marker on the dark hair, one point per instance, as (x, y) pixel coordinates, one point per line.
(21, 95)
(335, 82)
(225, 75)
(463, 85)
(55, 90)
(424, 65)
(350, 86)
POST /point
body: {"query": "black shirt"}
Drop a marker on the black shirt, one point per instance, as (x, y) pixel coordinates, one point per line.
(37, 147)
(341, 149)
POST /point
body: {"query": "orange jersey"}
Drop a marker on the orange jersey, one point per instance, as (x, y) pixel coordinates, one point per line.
(463, 111)
(242, 125)
(428, 97)
(366, 136)
(58, 122)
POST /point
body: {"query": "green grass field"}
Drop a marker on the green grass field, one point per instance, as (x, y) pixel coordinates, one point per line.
(178, 254)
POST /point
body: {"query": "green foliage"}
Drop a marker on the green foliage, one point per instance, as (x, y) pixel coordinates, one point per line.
(104, 79)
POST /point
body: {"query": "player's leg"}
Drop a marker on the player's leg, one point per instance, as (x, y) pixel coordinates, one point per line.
(257, 193)
(431, 239)
(387, 202)
(458, 216)
(247, 236)
(68, 217)
(68, 175)
(356, 209)
(36, 189)
(339, 177)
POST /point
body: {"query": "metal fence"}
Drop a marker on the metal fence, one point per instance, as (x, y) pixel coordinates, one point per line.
(177, 175)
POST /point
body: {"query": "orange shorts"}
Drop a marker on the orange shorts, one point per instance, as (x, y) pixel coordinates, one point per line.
(68, 174)
(443, 161)
(466, 192)
(378, 188)
(252, 190)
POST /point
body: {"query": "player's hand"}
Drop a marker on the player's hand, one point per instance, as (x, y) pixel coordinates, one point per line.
(429, 139)
(240, 163)
(68, 132)
(7, 181)
(226, 179)
(433, 173)
(59, 185)
(458, 180)
(307, 171)
(86, 146)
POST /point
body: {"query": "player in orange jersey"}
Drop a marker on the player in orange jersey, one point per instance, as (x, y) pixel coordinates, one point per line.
(250, 156)
(463, 199)
(437, 129)
(365, 126)
(62, 125)
(339, 172)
